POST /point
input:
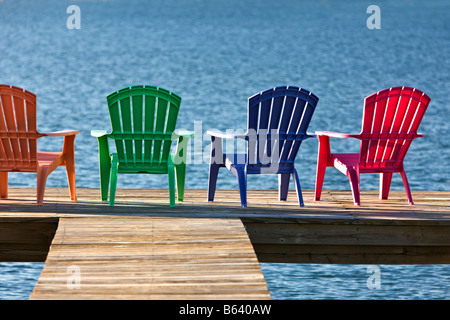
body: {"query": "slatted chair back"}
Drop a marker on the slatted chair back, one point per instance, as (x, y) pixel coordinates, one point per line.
(277, 122)
(391, 118)
(18, 133)
(143, 119)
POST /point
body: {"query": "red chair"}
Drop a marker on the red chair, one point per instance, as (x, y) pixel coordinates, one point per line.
(390, 121)
(18, 143)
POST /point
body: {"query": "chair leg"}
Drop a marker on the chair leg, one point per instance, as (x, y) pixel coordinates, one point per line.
(171, 177)
(105, 177)
(70, 169)
(298, 188)
(114, 174)
(69, 159)
(283, 186)
(408, 190)
(179, 160)
(385, 184)
(242, 180)
(105, 166)
(322, 162)
(213, 173)
(353, 176)
(40, 187)
(3, 185)
(321, 167)
(180, 173)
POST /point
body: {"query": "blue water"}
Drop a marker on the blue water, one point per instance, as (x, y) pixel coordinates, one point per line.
(215, 54)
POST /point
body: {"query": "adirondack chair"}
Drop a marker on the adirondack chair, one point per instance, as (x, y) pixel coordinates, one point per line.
(18, 143)
(143, 120)
(390, 121)
(277, 122)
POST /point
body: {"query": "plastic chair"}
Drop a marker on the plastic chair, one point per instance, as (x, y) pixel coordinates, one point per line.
(143, 120)
(277, 122)
(18, 143)
(390, 121)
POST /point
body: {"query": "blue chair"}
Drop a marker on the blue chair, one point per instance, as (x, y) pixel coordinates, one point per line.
(277, 122)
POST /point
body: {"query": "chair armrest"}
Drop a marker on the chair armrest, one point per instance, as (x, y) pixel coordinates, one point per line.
(337, 134)
(68, 152)
(182, 133)
(220, 134)
(62, 133)
(99, 133)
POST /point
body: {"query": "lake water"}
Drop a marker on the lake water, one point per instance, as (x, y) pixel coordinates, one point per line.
(215, 54)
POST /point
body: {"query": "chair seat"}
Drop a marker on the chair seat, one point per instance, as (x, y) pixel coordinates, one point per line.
(239, 161)
(344, 160)
(45, 159)
(235, 160)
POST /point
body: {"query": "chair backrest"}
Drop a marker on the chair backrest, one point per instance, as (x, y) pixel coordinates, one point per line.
(18, 133)
(390, 121)
(143, 119)
(277, 122)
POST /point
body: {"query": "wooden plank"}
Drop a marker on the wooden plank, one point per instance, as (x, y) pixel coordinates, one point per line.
(154, 202)
(334, 234)
(378, 230)
(322, 254)
(151, 258)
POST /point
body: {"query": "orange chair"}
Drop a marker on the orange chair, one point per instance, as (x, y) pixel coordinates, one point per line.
(18, 143)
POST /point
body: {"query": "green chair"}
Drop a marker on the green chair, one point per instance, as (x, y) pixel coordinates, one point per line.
(143, 120)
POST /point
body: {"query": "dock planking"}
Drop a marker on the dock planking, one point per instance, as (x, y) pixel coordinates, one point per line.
(332, 230)
(150, 258)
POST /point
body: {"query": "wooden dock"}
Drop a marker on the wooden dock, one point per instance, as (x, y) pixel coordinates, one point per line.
(143, 249)
(151, 258)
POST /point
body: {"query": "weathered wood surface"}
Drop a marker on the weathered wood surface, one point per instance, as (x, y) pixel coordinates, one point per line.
(150, 258)
(337, 204)
(332, 230)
